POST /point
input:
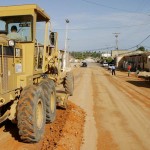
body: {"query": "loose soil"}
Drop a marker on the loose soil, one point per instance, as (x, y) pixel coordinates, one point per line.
(65, 133)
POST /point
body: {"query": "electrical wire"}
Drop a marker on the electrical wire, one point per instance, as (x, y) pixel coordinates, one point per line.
(99, 49)
(139, 43)
(95, 28)
(102, 5)
(106, 48)
(98, 4)
(139, 9)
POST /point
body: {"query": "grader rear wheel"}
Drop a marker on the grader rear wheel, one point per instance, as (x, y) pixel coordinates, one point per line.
(31, 114)
(69, 83)
(48, 87)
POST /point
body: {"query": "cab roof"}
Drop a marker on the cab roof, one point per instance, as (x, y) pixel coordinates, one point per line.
(27, 9)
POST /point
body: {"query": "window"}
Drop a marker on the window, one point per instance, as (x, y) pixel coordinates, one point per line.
(23, 23)
(40, 32)
(2, 26)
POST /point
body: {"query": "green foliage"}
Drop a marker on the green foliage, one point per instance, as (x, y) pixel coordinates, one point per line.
(93, 54)
(84, 55)
(142, 48)
(109, 59)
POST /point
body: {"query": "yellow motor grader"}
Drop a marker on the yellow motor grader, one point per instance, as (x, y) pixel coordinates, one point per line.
(30, 70)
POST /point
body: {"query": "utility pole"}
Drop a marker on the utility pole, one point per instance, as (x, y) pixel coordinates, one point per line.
(68, 52)
(116, 35)
(66, 39)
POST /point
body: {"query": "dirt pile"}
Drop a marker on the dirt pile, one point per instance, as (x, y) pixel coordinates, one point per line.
(66, 131)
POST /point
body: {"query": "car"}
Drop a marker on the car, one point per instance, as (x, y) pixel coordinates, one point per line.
(105, 64)
(84, 64)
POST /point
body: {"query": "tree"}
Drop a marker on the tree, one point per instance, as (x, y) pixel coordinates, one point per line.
(141, 48)
(109, 59)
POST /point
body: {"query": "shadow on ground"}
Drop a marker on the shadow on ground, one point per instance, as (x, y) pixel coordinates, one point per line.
(140, 83)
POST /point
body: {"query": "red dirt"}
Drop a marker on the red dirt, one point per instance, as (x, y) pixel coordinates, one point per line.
(65, 133)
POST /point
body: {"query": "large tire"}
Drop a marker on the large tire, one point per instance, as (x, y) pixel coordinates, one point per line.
(69, 83)
(31, 114)
(48, 87)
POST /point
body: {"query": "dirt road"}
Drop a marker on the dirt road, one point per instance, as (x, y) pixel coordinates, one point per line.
(117, 116)
(117, 107)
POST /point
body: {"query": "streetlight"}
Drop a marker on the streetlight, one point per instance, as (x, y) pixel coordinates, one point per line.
(66, 39)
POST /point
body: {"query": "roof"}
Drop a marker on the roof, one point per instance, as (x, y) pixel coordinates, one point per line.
(146, 54)
(26, 9)
(132, 53)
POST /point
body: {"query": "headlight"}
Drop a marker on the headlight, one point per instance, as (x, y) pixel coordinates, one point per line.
(11, 43)
(18, 52)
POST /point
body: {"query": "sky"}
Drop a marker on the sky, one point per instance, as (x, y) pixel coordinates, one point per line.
(92, 23)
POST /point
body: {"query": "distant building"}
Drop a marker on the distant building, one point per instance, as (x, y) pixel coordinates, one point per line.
(106, 55)
(133, 58)
(146, 58)
(137, 59)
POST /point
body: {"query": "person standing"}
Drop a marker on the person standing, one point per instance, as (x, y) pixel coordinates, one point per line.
(129, 69)
(113, 68)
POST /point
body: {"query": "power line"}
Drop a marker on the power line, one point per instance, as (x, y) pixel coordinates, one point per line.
(144, 40)
(112, 47)
(99, 49)
(98, 4)
(96, 28)
(139, 43)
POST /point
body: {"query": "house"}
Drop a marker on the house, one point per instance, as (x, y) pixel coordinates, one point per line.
(146, 59)
(137, 60)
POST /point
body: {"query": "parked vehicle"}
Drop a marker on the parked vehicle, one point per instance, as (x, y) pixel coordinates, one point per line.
(105, 64)
(84, 64)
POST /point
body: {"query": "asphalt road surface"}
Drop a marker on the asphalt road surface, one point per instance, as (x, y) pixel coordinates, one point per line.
(117, 107)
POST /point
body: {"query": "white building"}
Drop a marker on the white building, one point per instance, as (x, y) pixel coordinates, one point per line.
(106, 55)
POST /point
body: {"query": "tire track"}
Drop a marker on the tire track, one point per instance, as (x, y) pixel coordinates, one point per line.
(126, 120)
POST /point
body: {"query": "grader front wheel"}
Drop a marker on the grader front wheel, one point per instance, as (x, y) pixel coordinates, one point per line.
(48, 87)
(69, 83)
(31, 114)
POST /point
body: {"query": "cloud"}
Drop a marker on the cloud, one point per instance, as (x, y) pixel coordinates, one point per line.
(108, 20)
(88, 31)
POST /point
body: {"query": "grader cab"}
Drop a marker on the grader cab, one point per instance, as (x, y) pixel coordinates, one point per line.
(30, 70)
